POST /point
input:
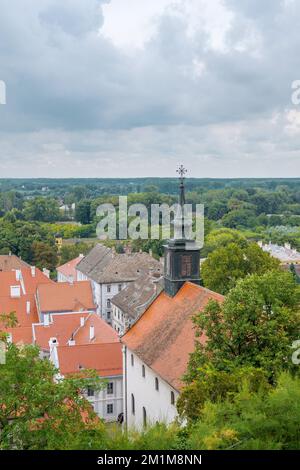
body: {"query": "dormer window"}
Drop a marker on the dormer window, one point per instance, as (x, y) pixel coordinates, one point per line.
(15, 292)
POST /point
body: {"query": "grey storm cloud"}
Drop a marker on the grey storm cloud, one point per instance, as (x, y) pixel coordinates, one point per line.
(70, 85)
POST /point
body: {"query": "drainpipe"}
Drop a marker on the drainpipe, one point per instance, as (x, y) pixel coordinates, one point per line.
(125, 385)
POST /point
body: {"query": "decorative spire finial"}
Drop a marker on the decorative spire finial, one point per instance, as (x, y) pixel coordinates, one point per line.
(181, 171)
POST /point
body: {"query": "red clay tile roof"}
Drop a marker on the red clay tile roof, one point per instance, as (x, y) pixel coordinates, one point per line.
(65, 297)
(69, 269)
(164, 336)
(105, 358)
(61, 328)
(10, 262)
(103, 333)
(19, 305)
(20, 334)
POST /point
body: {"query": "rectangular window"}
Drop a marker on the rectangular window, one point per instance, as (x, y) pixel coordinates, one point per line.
(186, 265)
(108, 288)
(108, 315)
(119, 287)
(108, 303)
(90, 392)
(110, 388)
(110, 409)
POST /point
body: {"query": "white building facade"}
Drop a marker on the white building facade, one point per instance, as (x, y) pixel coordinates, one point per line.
(120, 321)
(103, 294)
(148, 398)
(108, 403)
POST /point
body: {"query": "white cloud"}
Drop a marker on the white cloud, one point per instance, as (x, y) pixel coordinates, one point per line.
(130, 88)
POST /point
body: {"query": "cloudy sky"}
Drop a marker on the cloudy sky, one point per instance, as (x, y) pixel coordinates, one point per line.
(99, 88)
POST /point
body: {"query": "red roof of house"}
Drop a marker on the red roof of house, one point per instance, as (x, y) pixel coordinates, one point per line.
(103, 333)
(62, 327)
(67, 325)
(105, 358)
(28, 286)
(69, 269)
(65, 297)
(20, 334)
(10, 262)
(164, 335)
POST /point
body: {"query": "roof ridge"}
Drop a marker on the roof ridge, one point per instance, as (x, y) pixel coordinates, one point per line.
(202, 288)
(91, 344)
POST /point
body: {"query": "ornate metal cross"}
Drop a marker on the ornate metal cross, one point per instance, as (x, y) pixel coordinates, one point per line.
(181, 171)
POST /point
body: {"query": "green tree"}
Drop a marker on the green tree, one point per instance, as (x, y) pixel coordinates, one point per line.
(69, 252)
(44, 255)
(227, 264)
(239, 218)
(38, 412)
(42, 209)
(83, 212)
(255, 326)
(249, 421)
(248, 339)
(222, 237)
(211, 384)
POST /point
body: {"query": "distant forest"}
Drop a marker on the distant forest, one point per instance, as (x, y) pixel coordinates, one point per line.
(115, 186)
(34, 211)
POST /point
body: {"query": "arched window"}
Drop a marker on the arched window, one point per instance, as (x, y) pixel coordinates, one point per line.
(156, 384)
(132, 360)
(143, 371)
(172, 398)
(144, 417)
(132, 404)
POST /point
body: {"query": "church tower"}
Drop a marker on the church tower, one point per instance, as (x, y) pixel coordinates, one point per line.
(182, 256)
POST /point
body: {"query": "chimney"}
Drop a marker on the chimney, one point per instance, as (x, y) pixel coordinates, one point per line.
(81, 255)
(71, 341)
(46, 272)
(52, 343)
(28, 307)
(92, 332)
(82, 319)
(33, 271)
(287, 246)
(15, 292)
